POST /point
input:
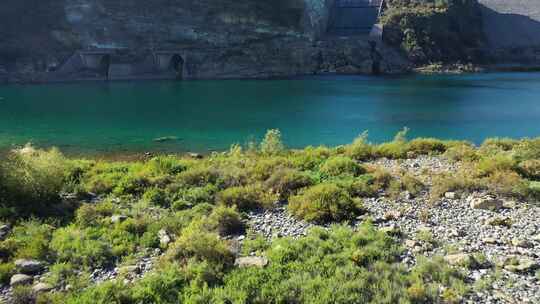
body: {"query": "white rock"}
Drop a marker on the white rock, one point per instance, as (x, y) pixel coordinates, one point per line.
(20, 279)
(251, 261)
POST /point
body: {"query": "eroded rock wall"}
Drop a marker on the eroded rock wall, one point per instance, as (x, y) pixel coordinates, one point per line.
(216, 39)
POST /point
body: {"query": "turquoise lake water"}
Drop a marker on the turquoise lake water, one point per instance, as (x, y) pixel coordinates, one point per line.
(212, 115)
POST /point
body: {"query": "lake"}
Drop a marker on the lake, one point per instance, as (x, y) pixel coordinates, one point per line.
(200, 116)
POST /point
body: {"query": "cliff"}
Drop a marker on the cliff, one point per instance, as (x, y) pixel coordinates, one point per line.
(121, 39)
(45, 40)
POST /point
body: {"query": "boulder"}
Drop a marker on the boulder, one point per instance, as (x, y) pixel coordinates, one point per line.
(118, 218)
(164, 238)
(42, 287)
(485, 203)
(460, 259)
(523, 265)
(251, 261)
(20, 279)
(450, 195)
(522, 243)
(28, 266)
(4, 231)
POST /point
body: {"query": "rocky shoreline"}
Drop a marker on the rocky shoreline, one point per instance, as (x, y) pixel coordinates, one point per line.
(495, 241)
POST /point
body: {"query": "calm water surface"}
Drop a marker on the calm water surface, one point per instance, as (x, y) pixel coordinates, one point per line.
(211, 115)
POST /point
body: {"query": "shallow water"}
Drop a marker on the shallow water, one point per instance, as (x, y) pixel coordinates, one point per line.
(211, 115)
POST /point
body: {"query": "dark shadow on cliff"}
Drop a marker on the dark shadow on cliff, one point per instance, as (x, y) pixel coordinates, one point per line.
(510, 30)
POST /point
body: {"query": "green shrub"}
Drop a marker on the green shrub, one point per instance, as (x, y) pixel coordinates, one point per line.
(507, 183)
(31, 240)
(286, 182)
(324, 203)
(360, 149)
(461, 152)
(6, 271)
(490, 165)
(31, 180)
(225, 220)
(530, 169)
(396, 148)
(459, 182)
(246, 198)
(493, 146)
(427, 146)
(527, 149)
(310, 158)
(272, 143)
(163, 286)
(22, 295)
(198, 176)
(199, 245)
(341, 165)
(157, 197)
(81, 247)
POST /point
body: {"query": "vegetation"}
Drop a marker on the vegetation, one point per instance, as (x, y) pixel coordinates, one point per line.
(431, 31)
(200, 203)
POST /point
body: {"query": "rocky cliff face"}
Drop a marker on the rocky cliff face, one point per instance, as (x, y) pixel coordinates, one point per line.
(512, 29)
(100, 39)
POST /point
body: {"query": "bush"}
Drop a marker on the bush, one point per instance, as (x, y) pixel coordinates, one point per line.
(507, 183)
(527, 149)
(360, 149)
(493, 146)
(324, 203)
(31, 180)
(341, 165)
(199, 176)
(199, 245)
(225, 221)
(490, 165)
(396, 148)
(81, 247)
(310, 158)
(246, 198)
(6, 271)
(272, 143)
(157, 197)
(286, 182)
(530, 169)
(31, 240)
(427, 146)
(461, 152)
(460, 182)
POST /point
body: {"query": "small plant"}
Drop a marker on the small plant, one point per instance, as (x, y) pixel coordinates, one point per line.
(272, 144)
(324, 203)
(530, 169)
